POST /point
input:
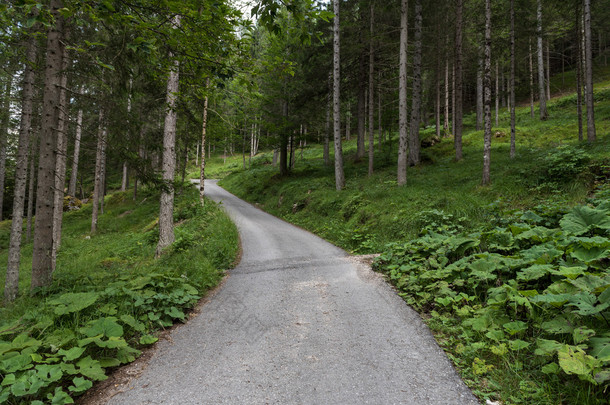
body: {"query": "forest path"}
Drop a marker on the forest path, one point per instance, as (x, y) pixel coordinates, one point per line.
(297, 322)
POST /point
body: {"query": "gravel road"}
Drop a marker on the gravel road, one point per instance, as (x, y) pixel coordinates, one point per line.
(297, 322)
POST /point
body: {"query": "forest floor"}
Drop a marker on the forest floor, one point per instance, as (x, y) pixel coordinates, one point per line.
(414, 227)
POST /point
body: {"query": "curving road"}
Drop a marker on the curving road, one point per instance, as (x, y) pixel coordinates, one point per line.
(297, 322)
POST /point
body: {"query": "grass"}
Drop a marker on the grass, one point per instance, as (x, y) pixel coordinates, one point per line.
(552, 171)
(124, 290)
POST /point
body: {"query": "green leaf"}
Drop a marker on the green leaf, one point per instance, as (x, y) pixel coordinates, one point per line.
(133, 323)
(127, 354)
(49, 373)
(108, 362)
(575, 361)
(72, 354)
(103, 326)
(495, 335)
(600, 348)
(148, 339)
(515, 327)
(16, 363)
(80, 384)
(585, 302)
(73, 302)
(556, 300)
(602, 376)
(582, 334)
(534, 272)
(558, 325)
(59, 397)
(518, 344)
(590, 255)
(175, 313)
(91, 369)
(582, 219)
(571, 272)
(551, 368)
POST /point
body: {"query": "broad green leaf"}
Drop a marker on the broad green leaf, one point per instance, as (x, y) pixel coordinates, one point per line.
(602, 376)
(127, 354)
(104, 326)
(600, 348)
(575, 361)
(585, 304)
(582, 334)
(499, 350)
(59, 397)
(91, 369)
(175, 313)
(72, 354)
(49, 373)
(582, 219)
(133, 323)
(541, 254)
(558, 325)
(8, 380)
(108, 362)
(495, 335)
(590, 255)
(148, 339)
(551, 368)
(556, 300)
(534, 272)
(571, 272)
(112, 343)
(515, 327)
(518, 344)
(80, 385)
(72, 302)
(16, 363)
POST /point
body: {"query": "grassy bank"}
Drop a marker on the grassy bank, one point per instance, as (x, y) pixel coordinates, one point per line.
(518, 298)
(109, 294)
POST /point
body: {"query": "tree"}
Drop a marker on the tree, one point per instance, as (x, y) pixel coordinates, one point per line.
(540, 52)
(512, 79)
(203, 141)
(457, 137)
(589, 73)
(339, 175)
(98, 184)
(487, 96)
(414, 143)
(402, 96)
(371, 91)
(4, 126)
(42, 269)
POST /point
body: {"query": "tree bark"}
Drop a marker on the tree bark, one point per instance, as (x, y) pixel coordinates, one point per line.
(42, 271)
(512, 80)
(326, 154)
(480, 108)
(60, 161)
(32, 174)
(540, 52)
(371, 92)
(11, 286)
(98, 181)
(589, 100)
(487, 96)
(548, 70)
(203, 141)
(457, 140)
(77, 138)
(339, 175)
(497, 95)
(446, 118)
(166, 209)
(414, 143)
(6, 116)
(361, 105)
(531, 80)
(402, 96)
(579, 76)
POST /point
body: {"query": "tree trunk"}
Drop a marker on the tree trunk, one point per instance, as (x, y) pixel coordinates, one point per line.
(203, 140)
(458, 82)
(531, 80)
(166, 209)
(60, 162)
(579, 76)
(487, 96)
(326, 155)
(6, 117)
(348, 122)
(98, 182)
(446, 118)
(540, 52)
(402, 96)
(42, 271)
(11, 286)
(74, 173)
(497, 95)
(480, 108)
(339, 175)
(32, 174)
(361, 105)
(371, 92)
(548, 70)
(437, 104)
(414, 143)
(512, 80)
(589, 74)
(284, 141)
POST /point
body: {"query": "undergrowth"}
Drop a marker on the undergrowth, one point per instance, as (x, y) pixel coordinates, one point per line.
(109, 296)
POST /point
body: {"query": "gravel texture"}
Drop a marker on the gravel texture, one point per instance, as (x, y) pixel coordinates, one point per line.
(297, 322)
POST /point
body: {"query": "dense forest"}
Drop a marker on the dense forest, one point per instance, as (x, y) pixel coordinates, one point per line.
(100, 96)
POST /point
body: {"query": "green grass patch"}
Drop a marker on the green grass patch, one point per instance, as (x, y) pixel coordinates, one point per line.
(109, 295)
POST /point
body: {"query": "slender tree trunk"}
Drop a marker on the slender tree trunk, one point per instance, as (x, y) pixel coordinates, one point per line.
(166, 209)
(77, 138)
(402, 96)
(540, 52)
(98, 181)
(32, 174)
(548, 70)
(458, 82)
(42, 271)
(480, 108)
(579, 76)
(380, 132)
(6, 115)
(203, 141)
(326, 155)
(11, 286)
(60, 162)
(348, 122)
(339, 175)
(497, 95)
(371, 92)
(487, 96)
(414, 143)
(446, 118)
(531, 80)
(361, 105)
(453, 99)
(589, 73)
(437, 104)
(511, 85)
